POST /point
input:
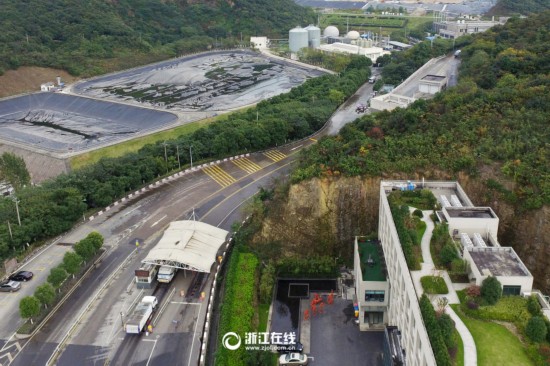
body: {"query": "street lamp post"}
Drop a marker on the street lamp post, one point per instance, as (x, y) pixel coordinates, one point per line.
(191, 155)
(122, 318)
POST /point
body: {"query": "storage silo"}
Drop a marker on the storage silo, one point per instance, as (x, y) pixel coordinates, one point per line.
(297, 39)
(314, 36)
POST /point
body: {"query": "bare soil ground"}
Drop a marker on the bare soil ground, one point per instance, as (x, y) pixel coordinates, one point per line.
(28, 79)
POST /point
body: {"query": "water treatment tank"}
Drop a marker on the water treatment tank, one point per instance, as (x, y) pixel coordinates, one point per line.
(331, 31)
(297, 39)
(353, 35)
(314, 36)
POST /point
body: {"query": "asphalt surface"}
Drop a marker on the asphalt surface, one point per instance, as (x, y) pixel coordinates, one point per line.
(336, 339)
(88, 324)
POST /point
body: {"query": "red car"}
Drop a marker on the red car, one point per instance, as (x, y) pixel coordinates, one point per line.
(21, 276)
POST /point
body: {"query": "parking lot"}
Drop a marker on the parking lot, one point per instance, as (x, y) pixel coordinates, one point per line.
(335, 339)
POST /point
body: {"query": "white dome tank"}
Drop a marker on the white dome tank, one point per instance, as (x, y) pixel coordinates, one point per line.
(353, 35)
(297, 39)
(331, 31)
(314, 36)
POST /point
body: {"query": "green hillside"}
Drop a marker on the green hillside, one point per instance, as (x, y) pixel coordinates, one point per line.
(524, 7)
(89, 37)
(496, 116)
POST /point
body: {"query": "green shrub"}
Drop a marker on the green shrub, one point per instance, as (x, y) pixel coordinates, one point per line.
(437, 340)
(448, 254)
(507, 309)
(491, 290)
(434, 285)
(533, 305)
(536, 329)
(418, 213)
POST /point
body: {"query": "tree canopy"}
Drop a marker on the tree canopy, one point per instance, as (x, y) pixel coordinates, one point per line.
(94, 36)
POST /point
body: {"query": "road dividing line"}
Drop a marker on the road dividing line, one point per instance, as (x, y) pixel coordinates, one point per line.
(297, 147)
(219, 175)
(247, 165)
(184, 303)
(194, 336)
(151, 354)
(312, 139)
(159, 220)
(275, 155)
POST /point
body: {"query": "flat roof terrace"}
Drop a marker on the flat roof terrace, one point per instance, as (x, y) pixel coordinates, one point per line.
(499, 261)
(471, 212)
(372, 261)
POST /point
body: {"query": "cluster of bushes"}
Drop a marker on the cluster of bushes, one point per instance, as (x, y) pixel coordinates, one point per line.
(239, 304)
(442, 247)
(31, 306)
(440, 329)
(434, 285)
(406, 230)
(422, 199)
(313, 267)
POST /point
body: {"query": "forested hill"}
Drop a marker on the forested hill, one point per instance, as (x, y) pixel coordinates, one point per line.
(495, 118)
(524, 7)
(93, 36)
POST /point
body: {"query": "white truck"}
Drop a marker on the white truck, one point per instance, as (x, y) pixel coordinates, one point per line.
(166, 274)
(141, 316)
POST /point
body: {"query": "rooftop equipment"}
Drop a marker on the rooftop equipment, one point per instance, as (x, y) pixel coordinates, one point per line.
(465, 240)
(444, 201)
(455, 201)
(478, 241)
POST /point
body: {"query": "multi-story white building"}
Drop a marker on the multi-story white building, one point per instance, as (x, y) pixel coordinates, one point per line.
(384, 287)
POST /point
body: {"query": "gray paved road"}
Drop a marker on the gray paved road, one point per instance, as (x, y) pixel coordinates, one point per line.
(146, 218)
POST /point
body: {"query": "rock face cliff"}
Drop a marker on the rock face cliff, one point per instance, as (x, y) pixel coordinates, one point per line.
(322, 217)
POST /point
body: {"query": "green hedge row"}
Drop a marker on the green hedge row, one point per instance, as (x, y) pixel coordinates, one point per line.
(238, 306)
(434, 285)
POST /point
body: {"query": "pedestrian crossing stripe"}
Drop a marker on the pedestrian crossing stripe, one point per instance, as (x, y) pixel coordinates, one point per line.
(219, 175)
(247, 165)
(275, 155)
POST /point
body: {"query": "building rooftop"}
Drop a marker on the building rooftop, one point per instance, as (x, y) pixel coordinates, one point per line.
(471, 212)
(372, 261)
(498, 261)
(437, 78)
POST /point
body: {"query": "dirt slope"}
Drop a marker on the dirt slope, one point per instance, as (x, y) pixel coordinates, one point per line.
(28, 79)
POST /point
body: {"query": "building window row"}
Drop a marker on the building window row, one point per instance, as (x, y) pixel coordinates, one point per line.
(374, 295)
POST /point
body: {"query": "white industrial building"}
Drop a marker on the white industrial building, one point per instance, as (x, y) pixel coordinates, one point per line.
(371, 52)
(460, 27)
(259, 43)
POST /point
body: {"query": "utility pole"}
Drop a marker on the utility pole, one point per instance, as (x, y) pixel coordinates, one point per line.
(178, 152)
(9, 228)
(165, 155)
(17, 209)
(191, 155)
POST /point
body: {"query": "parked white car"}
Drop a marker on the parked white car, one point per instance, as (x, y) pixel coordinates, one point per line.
(293, 359)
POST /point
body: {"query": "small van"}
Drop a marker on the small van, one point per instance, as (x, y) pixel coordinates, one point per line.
(372, 79)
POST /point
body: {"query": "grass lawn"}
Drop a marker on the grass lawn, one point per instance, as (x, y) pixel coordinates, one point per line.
(495, 344)
(263, 313)
(459, 357)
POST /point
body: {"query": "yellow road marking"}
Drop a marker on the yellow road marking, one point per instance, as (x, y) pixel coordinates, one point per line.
(219, 175)
(312, 139)
(275, 155)
(247, 165)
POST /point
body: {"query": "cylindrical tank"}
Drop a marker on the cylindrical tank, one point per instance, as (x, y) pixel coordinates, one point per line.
(314, 36)
(297, 39)
(331, 31)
